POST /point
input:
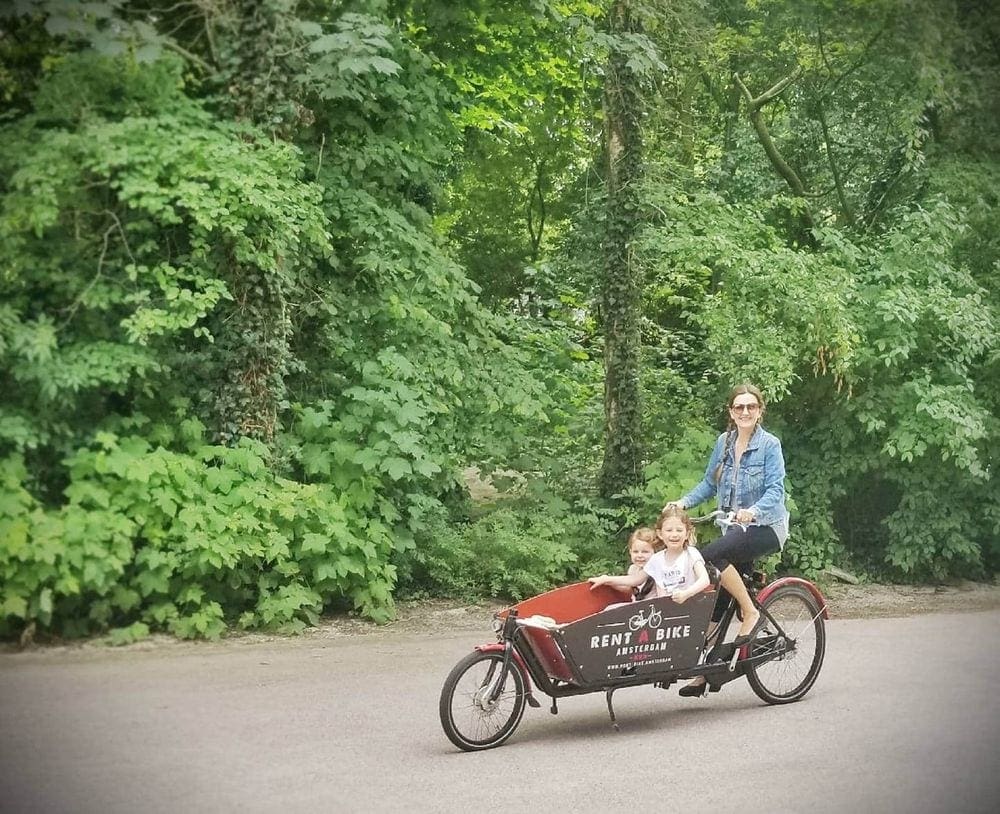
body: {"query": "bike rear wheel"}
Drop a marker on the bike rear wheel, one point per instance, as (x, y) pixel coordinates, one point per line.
(796, 647)
(473, 715)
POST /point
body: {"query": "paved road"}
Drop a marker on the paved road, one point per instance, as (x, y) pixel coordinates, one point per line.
(904, 718)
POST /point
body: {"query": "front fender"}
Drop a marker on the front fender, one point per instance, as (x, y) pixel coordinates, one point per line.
(498, 647)
(769, 589)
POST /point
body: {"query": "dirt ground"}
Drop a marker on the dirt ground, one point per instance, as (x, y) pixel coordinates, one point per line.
(437, 617)
(844, 601)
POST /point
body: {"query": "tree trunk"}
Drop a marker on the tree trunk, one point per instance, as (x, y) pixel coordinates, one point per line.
(252, 342)
(620, 290)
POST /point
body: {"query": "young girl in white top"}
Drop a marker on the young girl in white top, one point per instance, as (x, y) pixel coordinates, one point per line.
(678, 570)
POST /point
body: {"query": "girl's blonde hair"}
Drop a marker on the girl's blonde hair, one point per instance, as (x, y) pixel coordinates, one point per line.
(680, 514)
(646, 535)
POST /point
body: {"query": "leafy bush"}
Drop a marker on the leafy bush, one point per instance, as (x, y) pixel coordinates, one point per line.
(184, 541)
(514, 549)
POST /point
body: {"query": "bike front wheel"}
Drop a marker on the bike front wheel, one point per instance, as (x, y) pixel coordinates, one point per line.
(795, 646)
(480, 707)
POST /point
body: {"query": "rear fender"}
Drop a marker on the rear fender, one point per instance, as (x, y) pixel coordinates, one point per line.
(778, 583)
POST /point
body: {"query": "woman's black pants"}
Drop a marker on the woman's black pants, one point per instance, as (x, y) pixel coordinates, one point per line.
(738, 547)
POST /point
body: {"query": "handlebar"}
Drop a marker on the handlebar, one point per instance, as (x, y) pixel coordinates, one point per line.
(723, 518)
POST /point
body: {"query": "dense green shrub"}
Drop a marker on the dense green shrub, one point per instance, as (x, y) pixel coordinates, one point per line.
(514, 548)
(188, 541)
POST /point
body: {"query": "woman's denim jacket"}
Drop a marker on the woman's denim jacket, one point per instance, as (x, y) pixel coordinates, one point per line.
(760, 485)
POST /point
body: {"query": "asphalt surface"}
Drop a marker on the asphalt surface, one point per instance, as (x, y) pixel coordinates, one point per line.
(905, 717)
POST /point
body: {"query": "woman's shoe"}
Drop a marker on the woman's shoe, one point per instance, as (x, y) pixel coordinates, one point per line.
(693, 690)
(739, 641)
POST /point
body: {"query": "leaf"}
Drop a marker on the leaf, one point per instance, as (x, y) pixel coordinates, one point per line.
(314, 543)
(368, 458)
(309, 28)
(45, 602)
(221, 479)
(135, 632)
(426, 467)
(385, 66)
(15, 606)
(330, 42)
(13, 537)
(396, 467)
(316, 459)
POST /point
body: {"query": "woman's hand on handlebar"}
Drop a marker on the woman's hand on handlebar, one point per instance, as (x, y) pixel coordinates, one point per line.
(744, 516)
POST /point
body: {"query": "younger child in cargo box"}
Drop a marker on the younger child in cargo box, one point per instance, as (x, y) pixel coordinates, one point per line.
(643, 543)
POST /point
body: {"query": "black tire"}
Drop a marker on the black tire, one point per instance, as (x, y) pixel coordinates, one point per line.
(469, 721)
(798, 658)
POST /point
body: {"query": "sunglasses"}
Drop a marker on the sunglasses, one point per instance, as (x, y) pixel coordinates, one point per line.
(744, 408)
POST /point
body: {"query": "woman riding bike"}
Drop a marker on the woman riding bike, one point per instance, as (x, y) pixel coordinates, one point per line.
(746, 473)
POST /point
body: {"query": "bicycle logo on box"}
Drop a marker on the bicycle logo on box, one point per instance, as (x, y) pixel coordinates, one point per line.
(640, 620)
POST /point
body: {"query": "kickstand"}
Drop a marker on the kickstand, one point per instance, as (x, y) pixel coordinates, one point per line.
(611, 710)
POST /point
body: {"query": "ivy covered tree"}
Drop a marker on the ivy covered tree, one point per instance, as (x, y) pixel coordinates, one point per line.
(623, 109)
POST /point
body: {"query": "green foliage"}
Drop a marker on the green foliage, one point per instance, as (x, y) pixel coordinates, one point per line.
(521, 75)
(85, 86)
(243, 359)
(875, 343)
(157, 251)
(920, 405)
(910, 417)
(126, 237)
(725, 286)
(186, 541)
(135, 632)
(676, 469)
(516, 549)
(100, 25)
(504, 555)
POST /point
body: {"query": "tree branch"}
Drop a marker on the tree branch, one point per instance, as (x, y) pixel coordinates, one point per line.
(782, 167)
(771, 93)
(197, 60)
(838, 182)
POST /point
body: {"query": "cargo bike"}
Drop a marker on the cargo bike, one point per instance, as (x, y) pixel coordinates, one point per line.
(578, 639)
